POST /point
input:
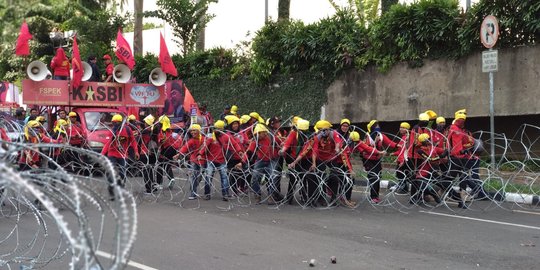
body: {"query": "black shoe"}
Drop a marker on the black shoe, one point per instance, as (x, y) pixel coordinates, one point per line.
(462, 205)
(225, 199)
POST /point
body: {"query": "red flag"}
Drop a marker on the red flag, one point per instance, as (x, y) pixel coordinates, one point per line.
(188, 99)
(23, 48)
(165, 60)
(76, 64)
(123, 51)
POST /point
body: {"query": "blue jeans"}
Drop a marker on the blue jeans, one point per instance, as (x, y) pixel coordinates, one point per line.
(196, 170)
(264, 168)
(222, 169)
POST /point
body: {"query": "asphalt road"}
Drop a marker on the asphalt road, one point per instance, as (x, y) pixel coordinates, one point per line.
(221, 235)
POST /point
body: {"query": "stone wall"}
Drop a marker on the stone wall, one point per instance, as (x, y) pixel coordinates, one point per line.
(442, 85)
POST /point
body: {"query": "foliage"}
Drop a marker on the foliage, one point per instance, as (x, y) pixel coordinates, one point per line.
(281, 98)
(365, 10)
(146, 26)
(326, 47)
(412, 33)
(46, 15)
(186, 17)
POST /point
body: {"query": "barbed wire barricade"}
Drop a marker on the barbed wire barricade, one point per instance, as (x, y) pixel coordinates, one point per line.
(65, 201)
(56, 216)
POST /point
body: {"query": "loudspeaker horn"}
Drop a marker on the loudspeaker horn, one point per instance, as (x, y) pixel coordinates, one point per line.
(87, 69)
(121, 73)
(37, 71)
(157, 77)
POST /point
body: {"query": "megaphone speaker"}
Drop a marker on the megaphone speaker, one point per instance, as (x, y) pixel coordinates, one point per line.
(87, 69)
(37, 71)
(121, 73)
(157, 77)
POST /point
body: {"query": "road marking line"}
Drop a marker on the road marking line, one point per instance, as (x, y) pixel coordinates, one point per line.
(483, 220)
(526, 212)
(130, 263)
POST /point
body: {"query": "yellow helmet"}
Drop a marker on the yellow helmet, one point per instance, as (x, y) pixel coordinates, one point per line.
(432, 115)
(72, 114)
(257, 117)
(219, 124)
(295, 120)
(165, 122)
(354, 136)
(440, 120)
(423, 117)
(116, 118)
(260, 128)
(345, 120)
(33, 124)
(40, 119)
(60, 124)
(234, 109)
(461, 114)
(423, 137)
(302, 125)
(132, 117)
(405, 125)
(149, 120)
(244, 119)
(371, 124)
(231, 119)
(322, 124)
(195, 127)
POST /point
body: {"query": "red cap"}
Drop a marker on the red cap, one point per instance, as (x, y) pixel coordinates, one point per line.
(107, 57)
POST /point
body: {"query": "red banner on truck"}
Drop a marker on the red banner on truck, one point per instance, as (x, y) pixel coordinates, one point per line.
(98, 94)
(46, 92)
(145, 95)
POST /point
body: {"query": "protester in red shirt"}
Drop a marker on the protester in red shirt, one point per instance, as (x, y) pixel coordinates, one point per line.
(60, 65)
(109, 68)
(192, 148)
(373, 161)
(237, 180)
(168, 143)
(117, 150)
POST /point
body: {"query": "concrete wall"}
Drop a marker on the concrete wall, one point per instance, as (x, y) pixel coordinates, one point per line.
(443, 86)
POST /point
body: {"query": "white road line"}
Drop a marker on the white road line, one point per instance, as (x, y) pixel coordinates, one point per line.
(483, 220)
(130, 263)
(526, 212)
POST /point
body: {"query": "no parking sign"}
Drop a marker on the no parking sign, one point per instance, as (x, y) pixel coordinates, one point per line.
(489, 31)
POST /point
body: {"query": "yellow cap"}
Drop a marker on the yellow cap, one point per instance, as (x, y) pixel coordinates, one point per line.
(231, 119)
(440, 120)
(423, 117)
(423, 137)
(234, 109)
(244, 119)
(40, 118)
(371, 124)
(354, 136)
(116, 118)
(132, 117)
(195, 127)
(149, 120)
(405, 125)
(295, 120)
(33, 124)
(219, 124)
(432, 115)
(345, 120)
(165, 122)
(257, 117)
(302, 124)
(72, 114)
(260, 128)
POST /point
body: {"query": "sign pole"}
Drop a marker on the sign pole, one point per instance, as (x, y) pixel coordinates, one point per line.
(492, 118)
(489, 33)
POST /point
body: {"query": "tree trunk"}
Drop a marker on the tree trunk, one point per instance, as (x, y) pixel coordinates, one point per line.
(199, 45)
(138, 28)
(284, 9)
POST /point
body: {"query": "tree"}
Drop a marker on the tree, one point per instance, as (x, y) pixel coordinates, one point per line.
(186, 17)
(386, 4)
(138, 28)
(366, 10)
(284, 10)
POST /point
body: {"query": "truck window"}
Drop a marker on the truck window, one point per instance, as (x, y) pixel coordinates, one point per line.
(98, 120)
